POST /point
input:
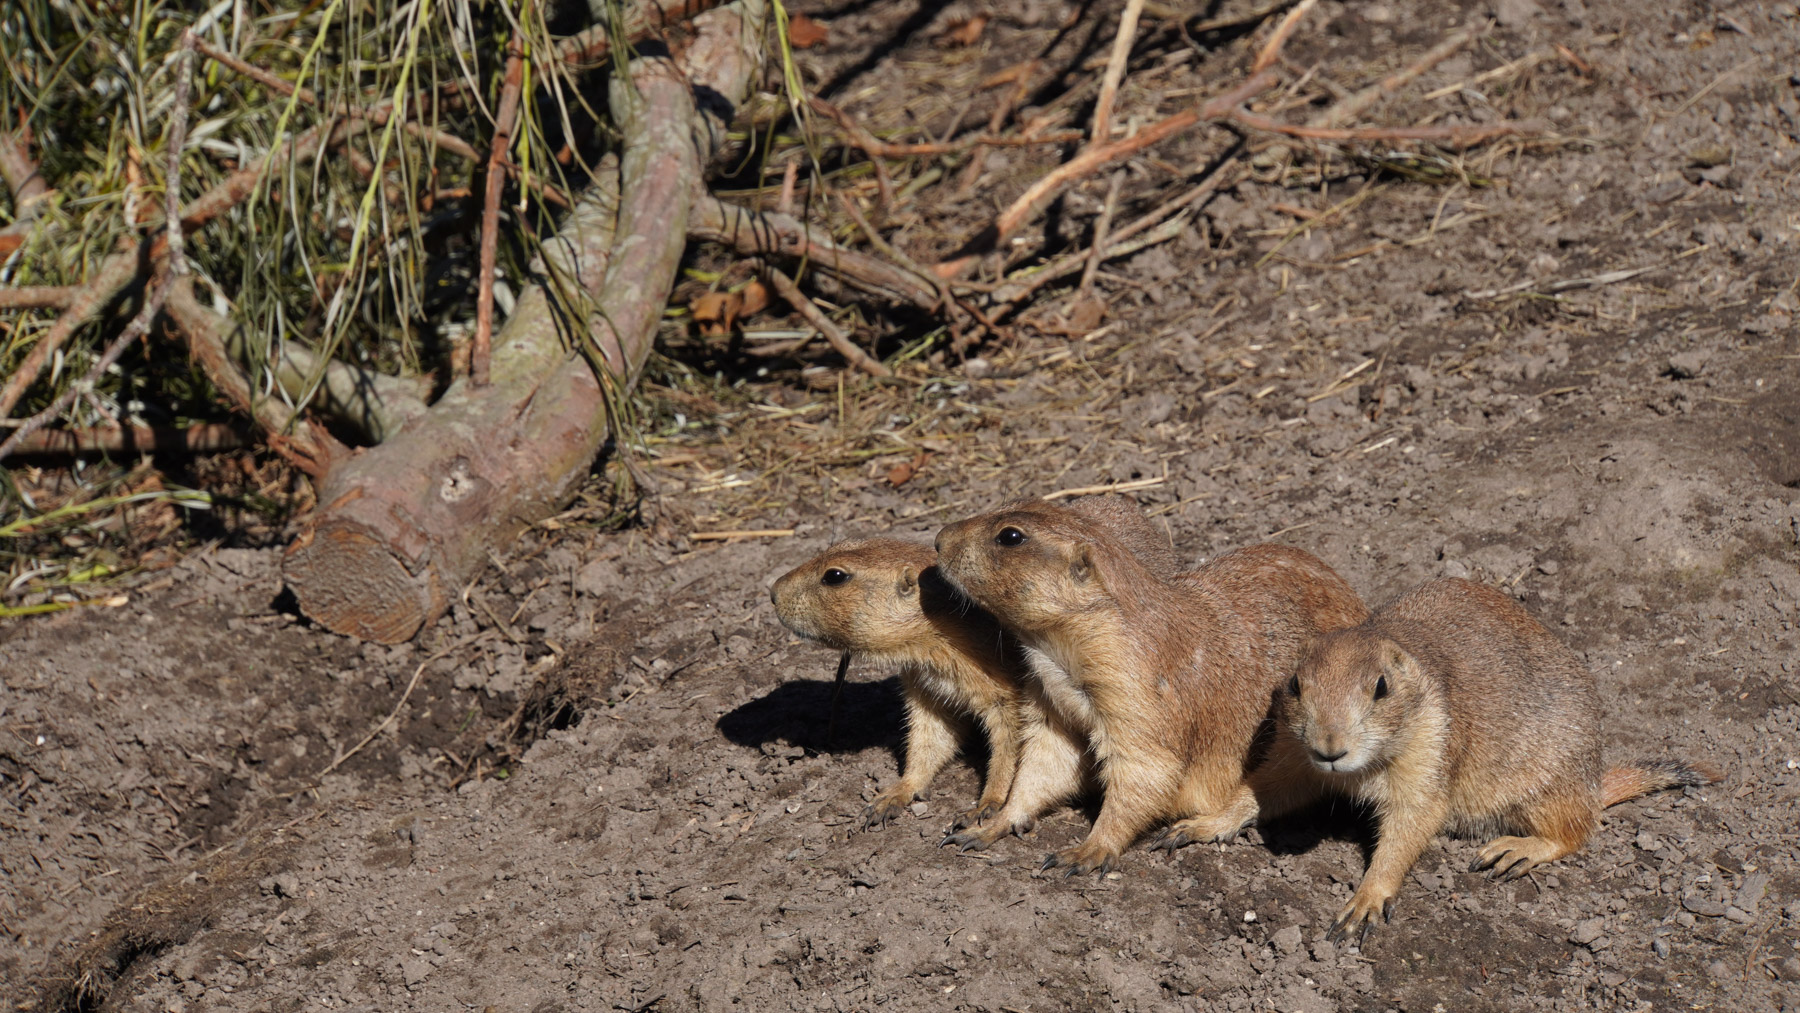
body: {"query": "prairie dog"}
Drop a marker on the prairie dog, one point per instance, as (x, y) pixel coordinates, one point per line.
(1453, 709)
(883, 600)
(1165, 680)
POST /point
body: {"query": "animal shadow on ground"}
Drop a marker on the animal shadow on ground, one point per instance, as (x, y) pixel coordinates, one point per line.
(1329, 819)
(798, 713)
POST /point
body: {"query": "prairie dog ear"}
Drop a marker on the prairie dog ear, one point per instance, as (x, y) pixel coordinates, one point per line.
(1395, 661)
(908, 584)
(1081, 565)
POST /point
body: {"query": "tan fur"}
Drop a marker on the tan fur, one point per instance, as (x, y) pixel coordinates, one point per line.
(1163, 681)
(954, 661)
(1453, 709)
(1122, 516)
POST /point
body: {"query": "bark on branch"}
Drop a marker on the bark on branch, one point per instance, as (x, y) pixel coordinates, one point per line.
(404, 525)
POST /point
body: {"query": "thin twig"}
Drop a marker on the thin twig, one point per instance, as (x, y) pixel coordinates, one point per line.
(861, 138)
(789, 176)
(159, 291)
(411, 684)
(206, 438)
(1093, 158)
(785, 287)
(178, 120)
(1101, 130)
(443, 139)
(1096, 490)
(20, 172)
(769, 234)
(139, 326)
(893, 252)
(1357, 104)
(1271, 50)
(1026, 284)
(1102, 225)
(1591, 281)
(37, 297)
(505, 120)
(1235, 20)
(1456, 135)
(728, 536)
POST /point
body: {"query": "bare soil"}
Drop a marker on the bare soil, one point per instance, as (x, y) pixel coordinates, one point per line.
(611, 785)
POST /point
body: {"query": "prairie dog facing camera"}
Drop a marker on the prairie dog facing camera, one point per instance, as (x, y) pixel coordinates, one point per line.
(1451, 709)
(1162, 680)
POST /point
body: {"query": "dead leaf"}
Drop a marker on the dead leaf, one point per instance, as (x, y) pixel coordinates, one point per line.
(756, 298)
(718, 313)
(903, 472)
(964, 33)
(805, 33)
(1016, 72)
(1085, 315)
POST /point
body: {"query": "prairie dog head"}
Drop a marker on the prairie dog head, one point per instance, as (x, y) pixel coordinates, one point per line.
(1350, 699)
(862, 596)
(1032, 563)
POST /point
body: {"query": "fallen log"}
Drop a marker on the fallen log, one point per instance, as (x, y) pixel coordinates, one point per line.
(402, 526)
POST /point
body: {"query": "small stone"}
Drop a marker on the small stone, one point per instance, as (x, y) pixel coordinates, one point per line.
(413, 970)
(1736, 914)
(1587, 931)
(919, 809)
(1687, 365)
(1249, 916)
(1705, 907)
(1456, 568)
(1719, 970)
(1647, 841)
(1287, 940)
(978, 368)
(1549, 567)
(1660, 946)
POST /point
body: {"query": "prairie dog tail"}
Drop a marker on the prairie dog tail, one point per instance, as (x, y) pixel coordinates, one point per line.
(1621, 784)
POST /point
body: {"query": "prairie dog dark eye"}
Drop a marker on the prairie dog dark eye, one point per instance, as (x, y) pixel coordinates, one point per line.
(1009, 537)
(1381, 689)
(1294, 687)
(834, 576)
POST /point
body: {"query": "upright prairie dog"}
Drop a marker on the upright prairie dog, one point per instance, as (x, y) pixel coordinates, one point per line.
(1451, 708)
(884, 600)
(1165, 680)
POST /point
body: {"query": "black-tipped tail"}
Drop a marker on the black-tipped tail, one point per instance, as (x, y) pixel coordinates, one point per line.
(1622, 784)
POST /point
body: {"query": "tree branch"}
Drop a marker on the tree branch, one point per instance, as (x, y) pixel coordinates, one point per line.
(506, 119)
(1094, 158)
(764, 233)
(785, 287)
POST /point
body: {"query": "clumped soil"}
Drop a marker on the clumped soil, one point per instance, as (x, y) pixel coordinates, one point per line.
(610, 785)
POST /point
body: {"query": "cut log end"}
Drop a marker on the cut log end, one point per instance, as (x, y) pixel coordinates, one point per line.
(352, 583)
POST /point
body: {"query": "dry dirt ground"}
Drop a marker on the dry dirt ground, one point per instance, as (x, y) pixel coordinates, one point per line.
(611, 787)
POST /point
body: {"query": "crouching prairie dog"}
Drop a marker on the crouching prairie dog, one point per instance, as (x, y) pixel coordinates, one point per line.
(1164, 680)
(884, 601)
(1453, 709)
